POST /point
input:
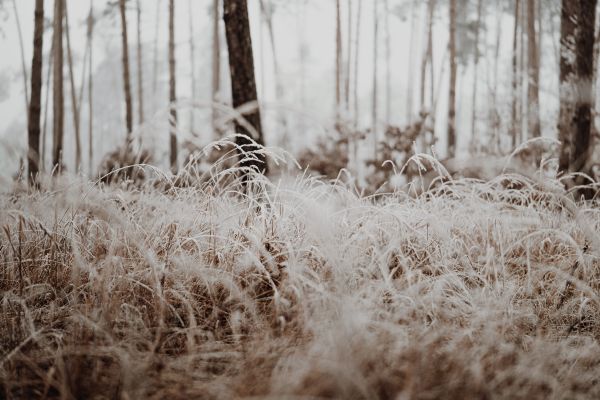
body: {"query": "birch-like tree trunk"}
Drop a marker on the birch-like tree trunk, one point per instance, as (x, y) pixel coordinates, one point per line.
(74, 102)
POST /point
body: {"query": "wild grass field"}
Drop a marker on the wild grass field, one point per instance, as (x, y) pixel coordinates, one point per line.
(299, 288)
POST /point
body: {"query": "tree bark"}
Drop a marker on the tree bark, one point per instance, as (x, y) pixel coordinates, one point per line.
(172, 90)
(474, 138)
(243, 82)
(192, 65)
(126, 79)
(74, 103)
(90, 34)
(576, 73)
(533, 71)
(58, 96)
(23, 65)
(452, 85)
(140, 68)
(33, 137)
(375, 83)
(216, 67)
(338, 60)
(515, 95)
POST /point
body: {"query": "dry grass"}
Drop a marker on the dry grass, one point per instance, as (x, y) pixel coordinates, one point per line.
(301, 290)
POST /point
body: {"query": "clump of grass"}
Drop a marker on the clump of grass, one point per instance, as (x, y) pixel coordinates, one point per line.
(302, 288)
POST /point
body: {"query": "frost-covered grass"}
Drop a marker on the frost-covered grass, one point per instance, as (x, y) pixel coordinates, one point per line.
(301, 290)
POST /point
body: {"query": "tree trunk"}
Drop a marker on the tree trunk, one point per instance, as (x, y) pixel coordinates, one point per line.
(155, 61)
(515, 96)
(338, 60)
(348, 60)
(375, 84)
(74, 104)
(243, 83)
(533, 72)
(46, 103)
(409, 83)
(58, 97)
(192, 65)
(356, 63)
(23, 65)
(90, 33)
(267, 11)
(216, 67)
(126, 80)
(452, 85)
(388, 70)
(576, 73)
(172, 90)
(33, 137)
(474, 138)
(140, 72)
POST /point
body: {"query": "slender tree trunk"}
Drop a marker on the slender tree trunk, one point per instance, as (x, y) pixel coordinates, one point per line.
(155, 61)
(243, 82)
(23, 64)
(58, 98)
(90, 34)
(522, 65)
(514, 106)
(348, 76)
(46, 103)
(267, 11)
(192, 64)
(375, 83)
(74, 104)
(126, 79)
(388, 70)
(427, 54)
(172, 90)
(533, 114)
(33, 137)
(338, 60)
(576, 73)
(409, 83)
(216, 66)
(356, 62)
(140, 67)
(452, 85)
(474, 138)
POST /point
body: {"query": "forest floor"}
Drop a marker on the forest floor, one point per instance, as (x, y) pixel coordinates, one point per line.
(303, 289)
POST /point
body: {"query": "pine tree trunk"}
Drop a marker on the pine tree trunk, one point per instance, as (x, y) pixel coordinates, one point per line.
(243, 82)
(576, 74)
(356, 63)
(514, 106)
(474, 138)
(46, 104)
(140, 68)
(192, 64)
(155, 58)
(388, 70)
(23, 64)
(172, 90)
(533, 113)
(74, 104)
(338, 60)
(58, 96)
(216, 67)
(348, 75)
(409, 83)
(375, 83)
(126, 79)
(452, 85)
(90, 34)
(33, 137)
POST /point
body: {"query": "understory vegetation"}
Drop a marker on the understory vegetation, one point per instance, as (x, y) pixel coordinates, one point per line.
(298, 288)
